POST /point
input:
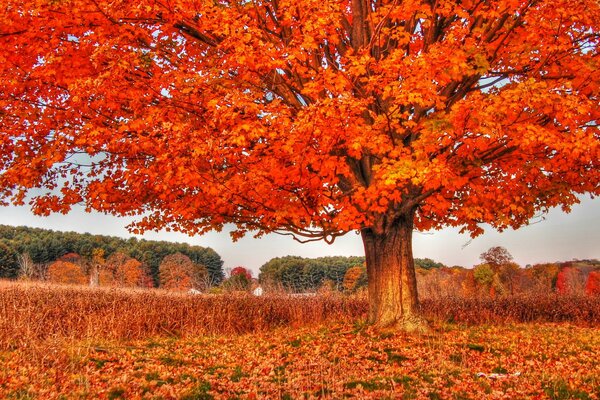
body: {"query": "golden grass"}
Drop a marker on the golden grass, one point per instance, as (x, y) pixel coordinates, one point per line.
(31, 313)
(576, 309)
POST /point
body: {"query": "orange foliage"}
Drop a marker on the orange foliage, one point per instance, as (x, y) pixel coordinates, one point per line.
(66, 272)
(175, 272)
(311, 114)
(353, 277)
(330, 362)
(130, 273)
(122, 270)
(592, 284)
(106, 278)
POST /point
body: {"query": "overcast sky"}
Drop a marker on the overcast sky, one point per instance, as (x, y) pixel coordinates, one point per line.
(559, 237)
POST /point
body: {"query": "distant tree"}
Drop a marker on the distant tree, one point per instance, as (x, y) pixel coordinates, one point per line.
(509, 273)
(27, 268)
(240, 279)
(314, 274)
(96, 263)
(496, 256)
(130, 273)
(106, 278)
(9, 263)
(178, 272)
(45, 246)
(241, 271)
(427, 263)
(355, 278)
(66, 272)
(285, 272)
(570, 280)
(468, 284)
(115, 260)
(544, 277)
(123, 270)
(485, 277)
(300, 274)
(175, 272)
(592, 284)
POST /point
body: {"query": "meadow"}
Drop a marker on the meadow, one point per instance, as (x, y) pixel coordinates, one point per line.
(67, 342)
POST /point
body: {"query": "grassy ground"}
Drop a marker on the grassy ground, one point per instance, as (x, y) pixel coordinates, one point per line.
(341, 361)
(292, 358)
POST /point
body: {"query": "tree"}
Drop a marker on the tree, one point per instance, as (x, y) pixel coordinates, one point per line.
(592, 284)
(9, 263)
(96, 263)
(130, 273)
(66, 272)
(427, 263)
(484, 276)
(45, 246)
(308, 118)
(544, 276)
(241, 271)
(355, 278)
(240, 279)
(27, 268)
(509, 273)
(496, 256)
(570, 280)
(178, 272)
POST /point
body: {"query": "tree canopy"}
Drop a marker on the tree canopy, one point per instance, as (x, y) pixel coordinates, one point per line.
(195, 113)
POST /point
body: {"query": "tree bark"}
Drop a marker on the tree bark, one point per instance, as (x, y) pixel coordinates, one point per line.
(393, 299)
(95, 275)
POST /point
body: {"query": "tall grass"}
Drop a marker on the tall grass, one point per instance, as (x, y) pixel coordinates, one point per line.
(33, 313)
(577, 309)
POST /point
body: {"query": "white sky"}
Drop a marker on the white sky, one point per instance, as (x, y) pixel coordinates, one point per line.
(560, 237)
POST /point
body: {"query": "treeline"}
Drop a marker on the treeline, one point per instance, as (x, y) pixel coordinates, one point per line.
(37, 249)
(507, 279)
(497, 275)
(299, 274)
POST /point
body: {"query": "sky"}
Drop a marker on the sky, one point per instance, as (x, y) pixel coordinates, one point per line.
(557, 237)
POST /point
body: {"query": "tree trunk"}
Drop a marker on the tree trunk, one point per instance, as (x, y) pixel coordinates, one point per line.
(95, 275)
(393, 301)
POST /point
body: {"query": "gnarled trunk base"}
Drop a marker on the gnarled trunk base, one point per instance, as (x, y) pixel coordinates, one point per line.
(393, 301)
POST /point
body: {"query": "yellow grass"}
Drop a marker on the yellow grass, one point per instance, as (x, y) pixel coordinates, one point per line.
(34, 311)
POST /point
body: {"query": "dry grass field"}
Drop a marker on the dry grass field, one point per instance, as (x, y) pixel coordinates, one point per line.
(63, 342)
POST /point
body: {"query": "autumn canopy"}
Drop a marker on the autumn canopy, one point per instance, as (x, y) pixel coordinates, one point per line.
(313, 118)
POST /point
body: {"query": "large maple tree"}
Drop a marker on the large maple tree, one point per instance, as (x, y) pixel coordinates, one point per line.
(312, 118)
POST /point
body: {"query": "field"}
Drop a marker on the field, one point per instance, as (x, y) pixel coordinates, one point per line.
(68, 342)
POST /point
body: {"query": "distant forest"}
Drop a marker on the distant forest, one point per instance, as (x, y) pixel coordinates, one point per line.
(497, 275)
(299, 274)
(43, 247)
(68, 257)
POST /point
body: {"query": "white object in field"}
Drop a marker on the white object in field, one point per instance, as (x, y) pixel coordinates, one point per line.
(496, 376)
(258, 291)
